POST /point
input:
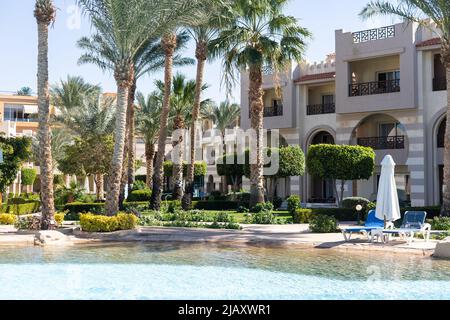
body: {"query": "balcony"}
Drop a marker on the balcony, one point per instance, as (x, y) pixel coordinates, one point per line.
(383, 143)
(316, 109)
(274, 111)
(374, 34)
(375, 87)
(439, 84)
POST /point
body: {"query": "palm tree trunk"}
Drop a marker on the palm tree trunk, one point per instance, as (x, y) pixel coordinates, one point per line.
(131, 136)
(44, 131)
(201, 55)
(169, 43)
(177, 152)
(446, 193)
(256, 164)
(99, 185)
(112, 197)
(124, 177)
(149, 156)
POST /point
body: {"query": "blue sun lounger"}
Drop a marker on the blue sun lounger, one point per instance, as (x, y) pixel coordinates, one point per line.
(413, 223)
(372, 223)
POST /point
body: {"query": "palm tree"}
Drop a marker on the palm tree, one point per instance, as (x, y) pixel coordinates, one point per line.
(45, 14)
(148, 60)
(253, 35)
(225, 116)
(202, 35)
(123, 29)
(93, 120)
(418, 11)
(147, 125)
(182, 101)
(71, 92)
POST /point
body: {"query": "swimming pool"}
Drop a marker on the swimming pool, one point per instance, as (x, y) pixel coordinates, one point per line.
(199, 271)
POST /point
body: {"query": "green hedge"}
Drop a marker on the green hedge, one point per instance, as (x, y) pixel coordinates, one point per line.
(432, 211)
(98, 223)
(341, 214)
(81, 207)
(216, 205)
(302, 216)
(29, 207)
(140, 195)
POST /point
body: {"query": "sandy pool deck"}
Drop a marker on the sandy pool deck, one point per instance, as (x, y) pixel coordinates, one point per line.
(255, 235)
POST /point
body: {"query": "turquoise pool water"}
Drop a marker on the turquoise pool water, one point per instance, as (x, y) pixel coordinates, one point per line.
(198, 271)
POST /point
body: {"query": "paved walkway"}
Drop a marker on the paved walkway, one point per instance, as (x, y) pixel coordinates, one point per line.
(255, 235)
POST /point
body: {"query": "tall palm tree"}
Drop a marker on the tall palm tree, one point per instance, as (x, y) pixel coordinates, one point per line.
(147, 125)
(417, 11)
(225, 116)
(123, 29)
(168, 43)
(148, 60)
(253, 35)
(45, 14)
(202, 35)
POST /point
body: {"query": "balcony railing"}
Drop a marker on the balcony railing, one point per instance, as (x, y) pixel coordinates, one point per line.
(375, 87)
(439, 84)
(374, 34)
(383, 143)
(314, 109)
(274, 111)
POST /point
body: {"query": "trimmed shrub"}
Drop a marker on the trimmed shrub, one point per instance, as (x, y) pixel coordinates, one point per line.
(322, 224)
(139, 185)
(28, 176)
(25, 207)
(59, 218)
(293, 203)
(352, 202)
(8, 218)
(137, 205)
(174, 206)
(81, 207)
(99, 223)
(302, 216)
(140, 195)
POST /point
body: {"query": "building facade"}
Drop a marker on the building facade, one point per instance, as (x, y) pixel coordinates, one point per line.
(384, 88)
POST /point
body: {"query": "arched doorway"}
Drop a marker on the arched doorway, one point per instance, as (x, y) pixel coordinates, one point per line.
(321, 191)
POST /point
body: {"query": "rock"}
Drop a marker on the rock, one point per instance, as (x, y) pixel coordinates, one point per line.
(50, 237)
(442, 249)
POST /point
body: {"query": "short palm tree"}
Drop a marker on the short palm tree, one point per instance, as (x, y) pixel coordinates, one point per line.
(224, 116)
(123, 29)
(182, 101)
(255, 34)
(147, 126)
(418, 11)
(25, 91)
(45, 14)
(90, 118)
(71, 92)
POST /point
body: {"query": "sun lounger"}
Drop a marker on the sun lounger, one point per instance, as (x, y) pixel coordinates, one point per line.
(413, 223)
(372, 223)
